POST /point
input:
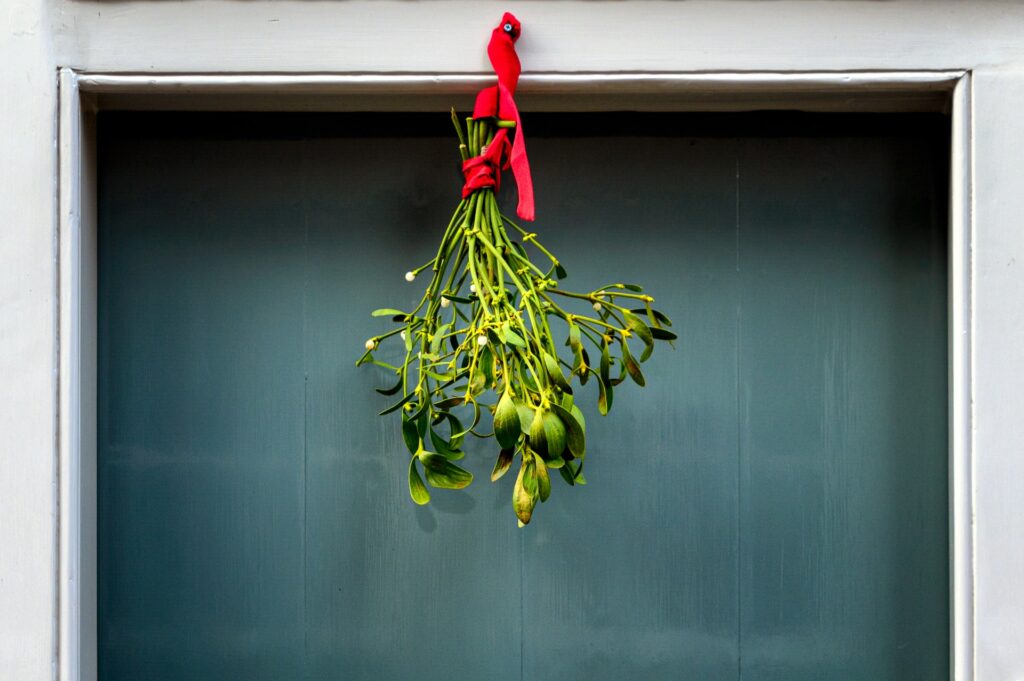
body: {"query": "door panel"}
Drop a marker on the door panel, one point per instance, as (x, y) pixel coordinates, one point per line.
(842, 401)
(772, 505)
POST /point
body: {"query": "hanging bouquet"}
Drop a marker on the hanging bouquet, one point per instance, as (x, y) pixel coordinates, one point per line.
(485, 336)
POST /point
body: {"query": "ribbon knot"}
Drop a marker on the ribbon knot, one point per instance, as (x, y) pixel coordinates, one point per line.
(485, 170)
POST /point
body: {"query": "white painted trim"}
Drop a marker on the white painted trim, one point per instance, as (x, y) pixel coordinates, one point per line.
(76, 633)
(961, 387)
(619, 91)
(997, 370)
(69, 407)
(77, 267)
(562, 83)
(927, 90)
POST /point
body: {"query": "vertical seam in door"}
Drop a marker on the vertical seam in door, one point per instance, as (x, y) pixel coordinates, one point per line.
(739, 442)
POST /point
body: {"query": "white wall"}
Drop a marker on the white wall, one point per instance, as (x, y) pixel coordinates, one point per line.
(999, 372)
(27, 342)
(695, 35)
(207, 36)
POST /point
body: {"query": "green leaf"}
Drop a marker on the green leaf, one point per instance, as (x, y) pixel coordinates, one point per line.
(417, 490)
(577, 475)
(476, 418)
(444, 448)
(511, 337)
(397, 405)
(543, 481)
(525, 418)
(392, 390)
(450, 402)
(663, 334)
(486, 364)
(502, 463)
(632, 367)
(387, 312)
(579, 366)
(506, 422)
(646, 354)
(435, 340)
(575, 437)
(523, 501)
(530, 478)
(566, 474)
(658, 316)
(538, 437)
(604, 396)
(635, 288)
(443, 473)
(457, 299)
(560, 271)
(457, 429)
(579, 362)
(423, 407)
(422, 422)
(478, 383)
(578, 415)
(548, 435)
(606, 363)
(555, 373)
(410, 434)
(574, 337)
(498, 334)
(641, 331)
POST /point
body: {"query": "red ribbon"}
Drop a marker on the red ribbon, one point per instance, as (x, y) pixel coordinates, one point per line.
(496, 101)
(485, 170)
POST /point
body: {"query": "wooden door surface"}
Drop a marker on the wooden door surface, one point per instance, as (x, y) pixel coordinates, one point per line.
(772, 506)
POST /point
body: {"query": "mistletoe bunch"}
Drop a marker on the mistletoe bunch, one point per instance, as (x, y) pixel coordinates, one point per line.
(482, 340)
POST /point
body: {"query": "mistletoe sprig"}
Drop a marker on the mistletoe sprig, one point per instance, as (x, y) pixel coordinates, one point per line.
(483, 339)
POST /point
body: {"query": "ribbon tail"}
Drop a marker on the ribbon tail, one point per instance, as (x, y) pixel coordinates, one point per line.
(521, 171)
(497, 101)
(517, 159)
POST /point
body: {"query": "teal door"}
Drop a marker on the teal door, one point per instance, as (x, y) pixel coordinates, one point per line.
(772, 506)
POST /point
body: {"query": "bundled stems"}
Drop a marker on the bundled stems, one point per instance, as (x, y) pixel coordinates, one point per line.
(484, 326)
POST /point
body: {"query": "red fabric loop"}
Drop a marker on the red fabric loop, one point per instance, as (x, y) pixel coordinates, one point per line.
(497, 102)
(485, 170)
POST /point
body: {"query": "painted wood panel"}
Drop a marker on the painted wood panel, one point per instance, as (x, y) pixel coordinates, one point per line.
(841, 358)
(634, 576)
(773, 505)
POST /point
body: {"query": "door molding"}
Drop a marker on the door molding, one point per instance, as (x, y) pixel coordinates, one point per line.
(83, 94)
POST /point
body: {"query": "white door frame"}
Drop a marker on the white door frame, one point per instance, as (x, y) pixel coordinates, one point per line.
(82, 94)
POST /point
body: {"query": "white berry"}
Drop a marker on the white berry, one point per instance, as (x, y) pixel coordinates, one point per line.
(472, 288)
(481, 340)
(410, 276)
(402, 334)
(370, 344)
(597, 306)
(445, 302)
